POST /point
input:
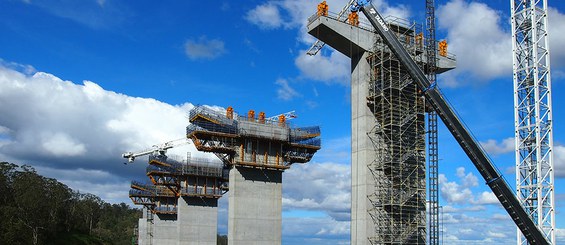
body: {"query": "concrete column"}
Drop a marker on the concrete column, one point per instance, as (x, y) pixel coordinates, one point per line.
(142, 228)
(197, 220)
(362, 151)
(255, 206)
(165, 229)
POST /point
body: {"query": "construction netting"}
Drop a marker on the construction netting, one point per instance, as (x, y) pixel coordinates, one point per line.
(177, 165)
(205, 119)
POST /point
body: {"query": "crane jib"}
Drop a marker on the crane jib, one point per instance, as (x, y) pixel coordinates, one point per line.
(470, 146)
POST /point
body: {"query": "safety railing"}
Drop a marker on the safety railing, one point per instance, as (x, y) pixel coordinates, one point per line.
(316, 142)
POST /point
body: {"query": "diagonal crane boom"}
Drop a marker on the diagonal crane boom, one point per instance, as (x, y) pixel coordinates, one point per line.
(471, 147)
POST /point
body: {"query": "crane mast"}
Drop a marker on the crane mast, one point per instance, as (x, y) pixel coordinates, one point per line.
(533, 114)
(462, 135)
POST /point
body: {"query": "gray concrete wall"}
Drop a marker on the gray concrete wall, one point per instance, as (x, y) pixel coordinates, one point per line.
(255, 206)
(197, 220)
(354, 42)
(165, 229)
(362, 151)
(142, 229)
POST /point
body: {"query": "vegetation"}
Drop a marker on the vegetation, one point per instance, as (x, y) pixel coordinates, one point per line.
(39, 210)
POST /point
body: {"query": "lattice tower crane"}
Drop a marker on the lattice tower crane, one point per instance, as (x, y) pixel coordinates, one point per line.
(533, 124)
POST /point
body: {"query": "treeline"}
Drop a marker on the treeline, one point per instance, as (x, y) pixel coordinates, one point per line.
(39, 210)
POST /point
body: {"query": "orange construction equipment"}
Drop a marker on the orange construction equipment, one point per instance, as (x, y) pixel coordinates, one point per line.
(251, 115)
(282, 120)
(353, 19)
(261, 117)
(229, 112)
(443, 48)
(323, 9)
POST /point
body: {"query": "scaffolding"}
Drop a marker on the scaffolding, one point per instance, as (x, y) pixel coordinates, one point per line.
(249, 141)
(157, 199)
(399, 198)
(190, 176)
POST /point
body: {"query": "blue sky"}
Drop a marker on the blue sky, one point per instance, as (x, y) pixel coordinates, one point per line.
(82, 82)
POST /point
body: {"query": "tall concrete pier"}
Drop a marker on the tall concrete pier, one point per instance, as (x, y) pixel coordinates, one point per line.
(256, 151)
(388, 198)
(255, 206)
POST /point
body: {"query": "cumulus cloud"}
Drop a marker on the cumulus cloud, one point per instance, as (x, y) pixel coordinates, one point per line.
(328, 189)
(204, 48)
(475, 35)
(556, 24)
(460, 192)
(496, 148)
(64, 129)
(330, 69)
(315, 230)
(559, 161)
(285, 92)
(265, 16)
(454, 192)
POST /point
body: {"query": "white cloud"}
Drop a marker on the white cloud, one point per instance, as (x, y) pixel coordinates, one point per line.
(559, 236)
(315, 230)
(460, 193)
(496, 148)
(468, 180)
(204, 48)
(328, 189)
(487, 197)
(454, 192)
(61, 145)
(64, 129)
(559, 161)
(330, 69)
(475, 35)
(266, 16)
(556, 26)
(284, 91)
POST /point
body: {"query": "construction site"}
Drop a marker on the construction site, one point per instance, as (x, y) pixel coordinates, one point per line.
(395, 106)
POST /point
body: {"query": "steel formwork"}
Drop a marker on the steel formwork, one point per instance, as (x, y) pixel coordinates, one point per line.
(399, 197)
(250, 141)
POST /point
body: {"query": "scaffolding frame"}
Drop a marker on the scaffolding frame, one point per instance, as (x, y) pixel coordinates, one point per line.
(398, 202)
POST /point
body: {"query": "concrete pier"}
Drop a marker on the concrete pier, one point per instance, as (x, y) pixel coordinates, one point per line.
(142, 227)
(255, 206)
(256, 151)
(197, 220)
(372, 201)
(165, 229)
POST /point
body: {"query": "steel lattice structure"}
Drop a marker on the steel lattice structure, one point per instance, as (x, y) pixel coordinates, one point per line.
(433, 157)
(532, 111)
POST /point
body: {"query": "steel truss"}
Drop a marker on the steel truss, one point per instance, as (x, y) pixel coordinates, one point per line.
(533, 118)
